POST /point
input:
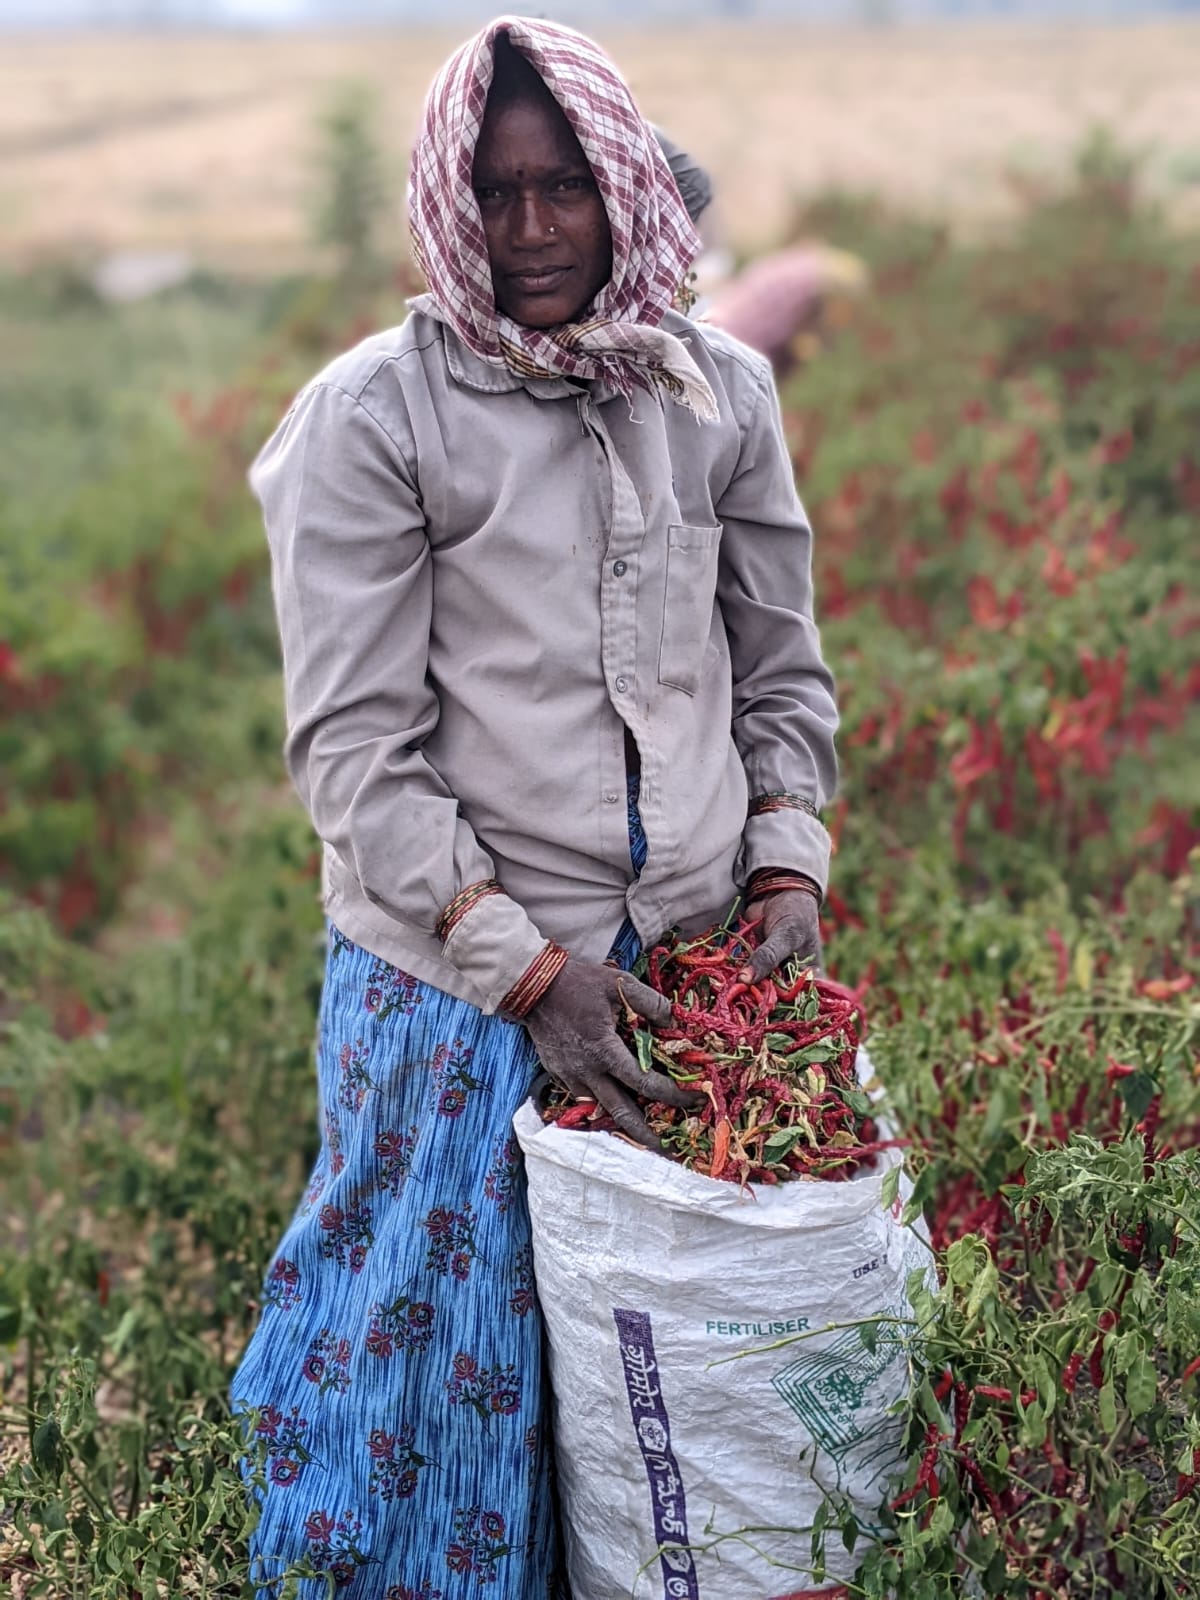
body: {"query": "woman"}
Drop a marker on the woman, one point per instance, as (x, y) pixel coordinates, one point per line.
(553, 685)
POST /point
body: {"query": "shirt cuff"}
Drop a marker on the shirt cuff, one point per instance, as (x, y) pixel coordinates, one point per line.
(492, 943)
(786, 838)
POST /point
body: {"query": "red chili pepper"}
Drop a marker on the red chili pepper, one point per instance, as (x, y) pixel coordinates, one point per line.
(1187, 1482)
(701, 962)
(962, 1408)
(720, 1148)
(790, 991)
(926, 1472)
(1059, 1473)
(574, 1116)
(1079, 1105)
(975, 1472)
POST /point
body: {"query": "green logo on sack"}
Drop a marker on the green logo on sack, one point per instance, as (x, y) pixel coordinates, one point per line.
(827, 1389)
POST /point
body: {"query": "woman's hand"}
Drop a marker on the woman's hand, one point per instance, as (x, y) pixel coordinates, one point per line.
(790, 925)
(574, 1030)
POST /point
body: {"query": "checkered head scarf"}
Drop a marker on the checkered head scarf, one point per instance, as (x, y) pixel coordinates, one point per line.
(653, 240)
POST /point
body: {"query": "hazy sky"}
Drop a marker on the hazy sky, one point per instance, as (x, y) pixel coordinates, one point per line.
(282, 12)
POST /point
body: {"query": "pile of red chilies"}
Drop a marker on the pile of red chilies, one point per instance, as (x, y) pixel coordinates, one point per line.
(774, 1060)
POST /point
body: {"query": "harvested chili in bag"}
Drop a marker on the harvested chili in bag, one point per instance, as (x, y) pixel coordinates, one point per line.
(776, 1062)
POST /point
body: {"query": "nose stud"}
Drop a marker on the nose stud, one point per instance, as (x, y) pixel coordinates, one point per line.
(551, 229)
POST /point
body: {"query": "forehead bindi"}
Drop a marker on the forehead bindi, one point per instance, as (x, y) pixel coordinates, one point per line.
(527, 142)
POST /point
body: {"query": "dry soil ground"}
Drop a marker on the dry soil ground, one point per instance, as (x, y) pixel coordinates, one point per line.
(205, 142)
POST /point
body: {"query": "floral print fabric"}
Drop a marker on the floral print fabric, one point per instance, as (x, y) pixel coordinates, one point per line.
(396, 1374)
(397, 1367)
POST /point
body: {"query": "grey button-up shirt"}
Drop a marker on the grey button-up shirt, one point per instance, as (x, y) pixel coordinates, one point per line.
(481, 582)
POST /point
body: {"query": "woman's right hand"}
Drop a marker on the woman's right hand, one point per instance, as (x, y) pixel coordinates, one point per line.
(573, 1028)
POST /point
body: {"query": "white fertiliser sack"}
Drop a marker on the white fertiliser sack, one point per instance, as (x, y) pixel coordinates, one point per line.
(649, 1276)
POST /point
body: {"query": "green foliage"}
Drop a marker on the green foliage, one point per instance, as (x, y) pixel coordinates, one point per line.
(1000, 462)
(351, 189)
(1062, 1450)
(1056, 1109)
(80, 378)
(121, 1333)
(137, 643)
(1001, 467)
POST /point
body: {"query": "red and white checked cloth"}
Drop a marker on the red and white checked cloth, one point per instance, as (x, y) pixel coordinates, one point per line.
(654, 243)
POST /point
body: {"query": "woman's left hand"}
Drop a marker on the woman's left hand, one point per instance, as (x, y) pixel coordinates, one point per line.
(789, 925)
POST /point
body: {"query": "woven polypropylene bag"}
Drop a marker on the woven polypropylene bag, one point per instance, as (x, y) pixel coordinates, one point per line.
(650, 1278)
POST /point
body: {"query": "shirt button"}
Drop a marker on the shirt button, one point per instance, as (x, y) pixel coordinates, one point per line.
(619, 569)
(621, 685)
(611, 797)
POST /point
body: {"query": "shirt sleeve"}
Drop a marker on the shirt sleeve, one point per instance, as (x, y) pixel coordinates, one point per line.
(353, 586)
(784, 710)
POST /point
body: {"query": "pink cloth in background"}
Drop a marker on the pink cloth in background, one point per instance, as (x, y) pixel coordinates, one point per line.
(775, 297)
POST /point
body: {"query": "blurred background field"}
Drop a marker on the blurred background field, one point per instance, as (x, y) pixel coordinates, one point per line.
(203, 141)
(998, 445)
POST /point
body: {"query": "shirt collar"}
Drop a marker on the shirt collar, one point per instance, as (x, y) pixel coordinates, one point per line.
(489, 378)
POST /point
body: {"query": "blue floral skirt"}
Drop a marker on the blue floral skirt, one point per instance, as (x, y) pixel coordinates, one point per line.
(396, 1373)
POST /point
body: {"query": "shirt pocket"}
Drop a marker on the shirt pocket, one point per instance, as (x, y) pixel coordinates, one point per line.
(691, 590)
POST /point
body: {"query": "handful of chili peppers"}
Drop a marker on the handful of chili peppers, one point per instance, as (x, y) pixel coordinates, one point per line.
(774, 1060)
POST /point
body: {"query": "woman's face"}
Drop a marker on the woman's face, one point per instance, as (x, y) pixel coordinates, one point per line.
(548, 239)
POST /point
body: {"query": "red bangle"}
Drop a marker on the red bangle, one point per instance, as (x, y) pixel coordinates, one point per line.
(531, 986)
(772, 880)
(466, 900)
